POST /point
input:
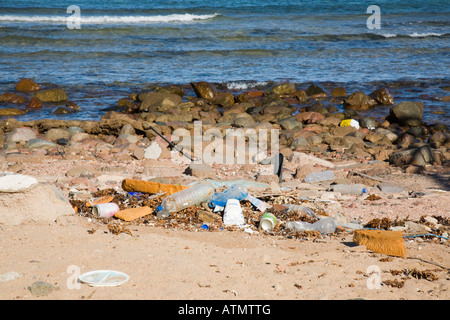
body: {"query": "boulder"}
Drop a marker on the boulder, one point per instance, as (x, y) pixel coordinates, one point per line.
(339, 92)
(34, 103)
(204, 90)
(11, 97)
(41, 203)
(21, 135)
(407, 113)
(290, 123)
(158, 102)
(359, 101)
(51, 95)
(17, 183)
(284, 89)
(55, 134)
(6, 112)
(316, 92)
(40, 144)
(382, 96)
(27, 85)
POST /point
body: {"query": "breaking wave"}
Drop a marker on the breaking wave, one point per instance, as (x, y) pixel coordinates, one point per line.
(187, 17)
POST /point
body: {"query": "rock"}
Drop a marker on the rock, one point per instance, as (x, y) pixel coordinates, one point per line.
(223, 99)
(418, 157)
(11, 97)
(284, 89)
(8, 276)
(21, 135)
(204, 90)
(27, 85)
(158, 102)
(55, 134)
(382, 96)
(6, 112)
(299, 143)
(17, 183)
(290, 123)
(407, 113)
(316, 92)
(153, 151)
(422, 156)
(79, 136)
(439, 139)
(368, 123)
(51, 95)
(309, 117)
(42, 203)
(41, 288)
(303, 158)
(86, 171)
(62, 110)
(359, 101)
(34, 103)
(201, 170)
(302, 171)
(414, 227)
(40, 144)
(391, 136)
(339, 92)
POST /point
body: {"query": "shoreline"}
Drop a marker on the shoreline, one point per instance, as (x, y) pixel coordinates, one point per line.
(403, 164)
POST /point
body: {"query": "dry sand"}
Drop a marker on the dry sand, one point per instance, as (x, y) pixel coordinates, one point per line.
(178, 264)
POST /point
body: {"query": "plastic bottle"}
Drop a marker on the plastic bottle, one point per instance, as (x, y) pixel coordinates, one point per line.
(233, 213)
(299, 209)
(201, 192)
(319, 176)
(349, 188)
(326, 225)
(234, 191)
(259, 204)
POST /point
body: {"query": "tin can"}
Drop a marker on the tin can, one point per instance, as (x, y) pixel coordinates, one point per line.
(105, 210)
(268, 221)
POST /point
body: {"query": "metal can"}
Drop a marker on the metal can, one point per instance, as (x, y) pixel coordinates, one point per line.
(105, 210)
(268, 221)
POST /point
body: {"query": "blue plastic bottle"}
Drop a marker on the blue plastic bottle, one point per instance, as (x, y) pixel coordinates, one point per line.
(235, 191)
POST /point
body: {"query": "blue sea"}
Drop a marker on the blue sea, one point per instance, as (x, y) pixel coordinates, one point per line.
(100, 51)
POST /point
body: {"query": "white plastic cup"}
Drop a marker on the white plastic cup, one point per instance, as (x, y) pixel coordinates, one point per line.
(105, 210)
(268, 221)
(233, 213)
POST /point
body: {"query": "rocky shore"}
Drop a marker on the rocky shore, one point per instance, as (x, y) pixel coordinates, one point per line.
(403, 163)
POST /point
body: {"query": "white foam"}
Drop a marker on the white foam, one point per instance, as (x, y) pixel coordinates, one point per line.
(187, 17)
(423, 35)
(389, 35)
(244, 85)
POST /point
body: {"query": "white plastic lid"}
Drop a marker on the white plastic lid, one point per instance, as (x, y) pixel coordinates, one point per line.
(104, 278)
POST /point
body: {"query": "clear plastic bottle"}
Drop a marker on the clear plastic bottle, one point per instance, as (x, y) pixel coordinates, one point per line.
(234, 191)
(201, 192)
(326, 225)
(299, 209)
(319, 176)
(349, 188)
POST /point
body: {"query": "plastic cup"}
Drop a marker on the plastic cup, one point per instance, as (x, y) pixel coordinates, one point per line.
(105, 210)
(268, 221)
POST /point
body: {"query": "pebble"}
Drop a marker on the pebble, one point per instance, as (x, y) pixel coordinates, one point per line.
(17, 183)
(8, 276)
(41, 288)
